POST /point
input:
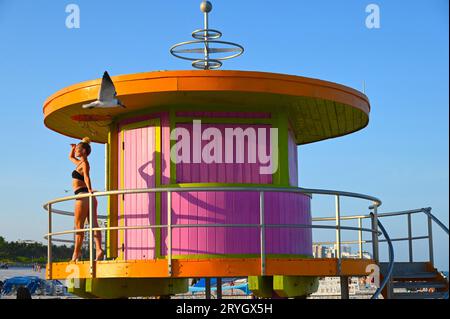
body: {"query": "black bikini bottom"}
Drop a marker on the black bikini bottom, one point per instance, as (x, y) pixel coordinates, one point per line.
(81, 190)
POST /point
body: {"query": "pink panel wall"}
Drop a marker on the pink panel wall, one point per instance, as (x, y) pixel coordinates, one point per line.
(239, 208)
(224, 172)
(208, 207)
(165, 140)
(139, 209)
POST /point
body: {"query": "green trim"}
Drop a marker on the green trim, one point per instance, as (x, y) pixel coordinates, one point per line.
(182, 185)
(111, 247)
(134, 287)
(149, 112)
(290, 131)
(78, 287)
(195, 108)
(261, 286)
(158, 146)
(282, 173)
(283, 286)
(108, 199)
(173, 166)
(140, 124)
(108, 162)
(200, 256)
(294, 286)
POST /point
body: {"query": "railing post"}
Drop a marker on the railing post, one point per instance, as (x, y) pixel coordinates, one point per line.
(389, 289)
(49, 243)
(410, 241)
(338, 232)
(345, 292)
(106, 225)
(360, 244)
(169, 232)
(430, 238)
(207, 288)
(262, 233)
(91, 236)
(375, 233)
(219, 287)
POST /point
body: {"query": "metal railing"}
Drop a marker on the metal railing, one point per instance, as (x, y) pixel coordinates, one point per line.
(388, 275)
(410, 238)
(261, 225)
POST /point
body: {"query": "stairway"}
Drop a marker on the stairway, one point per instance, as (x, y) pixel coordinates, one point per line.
(416, 280)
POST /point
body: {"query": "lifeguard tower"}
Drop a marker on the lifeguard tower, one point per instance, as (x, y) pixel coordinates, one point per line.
(172, 217)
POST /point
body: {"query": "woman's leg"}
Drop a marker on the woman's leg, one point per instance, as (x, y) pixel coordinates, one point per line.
(97, 234)
(80, 217)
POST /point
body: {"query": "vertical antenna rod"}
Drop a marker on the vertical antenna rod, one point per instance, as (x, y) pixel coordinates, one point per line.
(206, 8)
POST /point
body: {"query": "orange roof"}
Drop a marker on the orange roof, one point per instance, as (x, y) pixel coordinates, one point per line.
(317, 109)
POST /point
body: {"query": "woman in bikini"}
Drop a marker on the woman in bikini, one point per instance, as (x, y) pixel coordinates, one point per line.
(81, 183)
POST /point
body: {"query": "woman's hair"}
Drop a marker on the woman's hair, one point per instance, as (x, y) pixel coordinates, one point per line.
(85, 144)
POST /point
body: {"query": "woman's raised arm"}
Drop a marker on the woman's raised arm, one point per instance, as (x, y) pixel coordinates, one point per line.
(72, 154)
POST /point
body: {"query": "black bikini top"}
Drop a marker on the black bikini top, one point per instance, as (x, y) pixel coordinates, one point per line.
(77, 175)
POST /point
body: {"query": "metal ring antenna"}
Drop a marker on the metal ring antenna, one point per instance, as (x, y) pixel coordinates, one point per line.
(206, 37)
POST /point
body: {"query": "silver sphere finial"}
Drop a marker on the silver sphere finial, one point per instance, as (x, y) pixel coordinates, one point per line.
(206, 6)
(206, 43)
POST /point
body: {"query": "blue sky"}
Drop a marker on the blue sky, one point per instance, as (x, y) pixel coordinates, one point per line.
(402, 157)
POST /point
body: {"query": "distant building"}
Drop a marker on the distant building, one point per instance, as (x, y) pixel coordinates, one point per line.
(319, 251)
(330, 252)
(322, 251)
(367, 255)
(346, 249)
